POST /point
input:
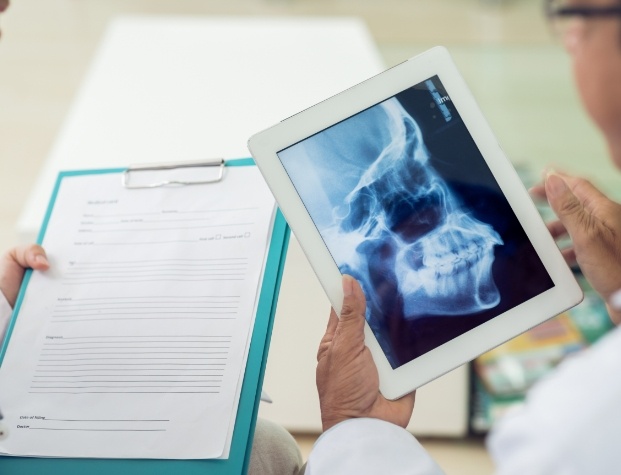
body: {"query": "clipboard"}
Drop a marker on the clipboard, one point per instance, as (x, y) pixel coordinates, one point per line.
(239, 456)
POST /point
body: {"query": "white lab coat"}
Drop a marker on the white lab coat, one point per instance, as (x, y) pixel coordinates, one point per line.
(369, 447)
(570, 424)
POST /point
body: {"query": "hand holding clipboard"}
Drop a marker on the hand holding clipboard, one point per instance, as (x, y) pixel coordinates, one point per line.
(170, 218)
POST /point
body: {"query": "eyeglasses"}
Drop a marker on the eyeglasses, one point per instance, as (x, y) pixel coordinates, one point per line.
(565, 15)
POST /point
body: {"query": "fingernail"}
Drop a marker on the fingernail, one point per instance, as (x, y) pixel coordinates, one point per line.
(555, 185)
(41, 259)
(615, 300)
(348, 286)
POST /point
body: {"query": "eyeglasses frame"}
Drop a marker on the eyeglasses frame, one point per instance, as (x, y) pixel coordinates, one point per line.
(582, 11)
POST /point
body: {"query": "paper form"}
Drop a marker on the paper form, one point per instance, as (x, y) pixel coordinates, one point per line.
(133, 344)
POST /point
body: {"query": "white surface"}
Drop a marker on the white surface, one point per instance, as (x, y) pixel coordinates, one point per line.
(177, 89)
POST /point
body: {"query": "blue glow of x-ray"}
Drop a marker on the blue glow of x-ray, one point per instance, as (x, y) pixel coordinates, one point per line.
(387, 216)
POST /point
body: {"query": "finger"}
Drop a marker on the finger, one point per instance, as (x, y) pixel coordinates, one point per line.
(328, 335)
(557, 229)
(538, 191)
(587, 194)
(412, 396)
(350, 328)
(333, 321)
(399, 411)
(354, 303)
(30, 255)
(408, 401)
(569, 254)
(569, 209)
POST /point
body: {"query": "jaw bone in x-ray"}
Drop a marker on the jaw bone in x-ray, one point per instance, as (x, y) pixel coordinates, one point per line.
(400, 230)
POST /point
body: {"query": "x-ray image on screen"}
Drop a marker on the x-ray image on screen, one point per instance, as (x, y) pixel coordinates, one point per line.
(406, 204)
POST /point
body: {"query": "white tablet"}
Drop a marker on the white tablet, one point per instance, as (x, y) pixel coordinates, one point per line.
(400, 182)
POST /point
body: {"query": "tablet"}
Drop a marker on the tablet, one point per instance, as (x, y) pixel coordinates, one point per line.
(400, 182)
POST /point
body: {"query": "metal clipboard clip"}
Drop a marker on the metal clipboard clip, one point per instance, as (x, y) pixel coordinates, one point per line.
(133, 169)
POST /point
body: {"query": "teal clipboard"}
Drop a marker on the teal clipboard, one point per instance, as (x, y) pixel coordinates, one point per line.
(239, 457)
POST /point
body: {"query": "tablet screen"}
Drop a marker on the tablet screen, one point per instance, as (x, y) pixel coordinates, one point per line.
(407, 205)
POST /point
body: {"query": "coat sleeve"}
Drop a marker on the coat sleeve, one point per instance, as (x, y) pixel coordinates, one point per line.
(570, 423)
(369, 447)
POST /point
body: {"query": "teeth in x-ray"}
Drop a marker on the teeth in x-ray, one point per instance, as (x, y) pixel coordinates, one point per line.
(448, 271)
(449, 289)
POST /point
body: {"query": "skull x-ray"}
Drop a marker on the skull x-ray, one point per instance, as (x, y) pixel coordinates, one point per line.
(406, 204)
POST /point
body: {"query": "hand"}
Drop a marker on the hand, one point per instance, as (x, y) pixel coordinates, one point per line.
(593, 222)
(13, 265)
(4, 4)
(347, 377)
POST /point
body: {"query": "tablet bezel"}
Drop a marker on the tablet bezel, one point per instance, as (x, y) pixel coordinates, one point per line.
(566, 292)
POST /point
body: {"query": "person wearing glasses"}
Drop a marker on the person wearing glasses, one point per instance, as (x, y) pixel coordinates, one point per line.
(570, 423)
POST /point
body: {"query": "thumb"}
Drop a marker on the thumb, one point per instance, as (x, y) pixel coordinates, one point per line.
(354, 307)
(29, 255)
(565, 203)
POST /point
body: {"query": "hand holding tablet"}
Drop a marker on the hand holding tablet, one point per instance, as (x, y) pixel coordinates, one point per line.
(400, 182)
